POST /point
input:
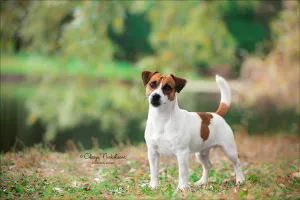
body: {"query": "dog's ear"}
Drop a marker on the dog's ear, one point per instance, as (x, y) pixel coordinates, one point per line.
(146, 76)
(179, 83)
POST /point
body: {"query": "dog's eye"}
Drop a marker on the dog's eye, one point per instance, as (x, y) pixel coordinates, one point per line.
(167, 87)
(153, 84)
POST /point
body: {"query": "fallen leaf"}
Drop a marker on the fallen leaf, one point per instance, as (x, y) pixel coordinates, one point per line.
(245, 190)
(75, 184)
(235, 190)
(56, 189)
(87, 187)
(281, 185)
(97, 180)
(296, 174)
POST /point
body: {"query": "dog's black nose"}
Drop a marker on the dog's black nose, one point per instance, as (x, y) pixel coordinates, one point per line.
(156, 97)
(155, 100)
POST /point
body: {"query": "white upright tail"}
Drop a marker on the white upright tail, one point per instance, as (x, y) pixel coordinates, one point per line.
(225, 96)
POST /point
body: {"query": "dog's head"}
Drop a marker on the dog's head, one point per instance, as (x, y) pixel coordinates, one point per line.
(161, 89)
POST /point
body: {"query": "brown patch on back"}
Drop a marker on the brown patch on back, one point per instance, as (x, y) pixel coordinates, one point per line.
(171, 93)
(157, 77)
(206, 117)
(222, 110)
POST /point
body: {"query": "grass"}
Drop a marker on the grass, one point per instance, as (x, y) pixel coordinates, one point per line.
(270, 165)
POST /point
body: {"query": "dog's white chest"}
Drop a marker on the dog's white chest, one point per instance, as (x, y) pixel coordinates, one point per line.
(165, 138)
(162, 142)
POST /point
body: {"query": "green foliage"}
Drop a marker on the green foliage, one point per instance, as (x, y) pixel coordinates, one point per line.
(43, 23)
(11, 14)
(183, 35)
(133, 42)
(186, 34)
(87, 35)
(253, 178)
(113, 105)
(248, 22)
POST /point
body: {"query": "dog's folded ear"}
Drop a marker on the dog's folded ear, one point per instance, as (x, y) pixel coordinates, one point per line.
(179, 83)
(146, 76)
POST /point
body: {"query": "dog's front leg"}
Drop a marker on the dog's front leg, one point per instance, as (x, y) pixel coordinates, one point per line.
(153, 158)
(183, 165)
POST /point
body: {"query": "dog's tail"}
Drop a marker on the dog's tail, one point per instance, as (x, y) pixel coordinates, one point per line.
(225, 96)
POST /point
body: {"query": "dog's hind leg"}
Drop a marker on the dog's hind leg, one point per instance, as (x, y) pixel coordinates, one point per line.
(203, 158)
(231, 152)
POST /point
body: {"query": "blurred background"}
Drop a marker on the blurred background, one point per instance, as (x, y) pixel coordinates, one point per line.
(70, 70)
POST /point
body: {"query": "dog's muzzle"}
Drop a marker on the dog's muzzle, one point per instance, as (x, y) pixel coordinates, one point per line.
(155, 100)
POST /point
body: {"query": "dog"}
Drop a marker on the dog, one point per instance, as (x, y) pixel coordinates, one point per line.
(172, 131)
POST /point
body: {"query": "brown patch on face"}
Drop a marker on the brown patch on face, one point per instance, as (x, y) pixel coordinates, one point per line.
(153, 83)
(222, 110)
(170, 84)
(169, 87)
(206, 117)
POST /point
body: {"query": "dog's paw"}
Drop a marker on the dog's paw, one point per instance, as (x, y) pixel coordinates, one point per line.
(153, 186)
(181, 188)
(201, 182)
(240, 181)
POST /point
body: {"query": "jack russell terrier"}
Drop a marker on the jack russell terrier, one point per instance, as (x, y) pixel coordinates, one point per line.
(175, 132)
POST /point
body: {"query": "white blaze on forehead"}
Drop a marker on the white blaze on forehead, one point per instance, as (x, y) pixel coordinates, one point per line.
(158, 90)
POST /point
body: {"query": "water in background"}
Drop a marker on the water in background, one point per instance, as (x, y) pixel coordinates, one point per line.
(16, 133)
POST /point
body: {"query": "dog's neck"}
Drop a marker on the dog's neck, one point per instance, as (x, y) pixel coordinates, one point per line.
(164, 111)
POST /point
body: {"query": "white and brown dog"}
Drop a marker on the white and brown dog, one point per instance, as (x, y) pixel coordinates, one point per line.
(175, 132)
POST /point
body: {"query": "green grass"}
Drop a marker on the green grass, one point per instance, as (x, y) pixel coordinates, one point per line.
(40, 172)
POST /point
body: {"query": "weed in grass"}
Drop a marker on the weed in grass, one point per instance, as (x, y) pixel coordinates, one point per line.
(253, 178)
(194, 177)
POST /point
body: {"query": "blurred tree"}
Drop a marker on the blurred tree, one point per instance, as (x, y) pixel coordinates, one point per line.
(43, 23)
(274, 80)
(187, 34)
(133, 42)
(87, 36)
(195, 33)
(205, 34)
(184, 35)
(12, 14)
(239, 17)
(112, 105)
